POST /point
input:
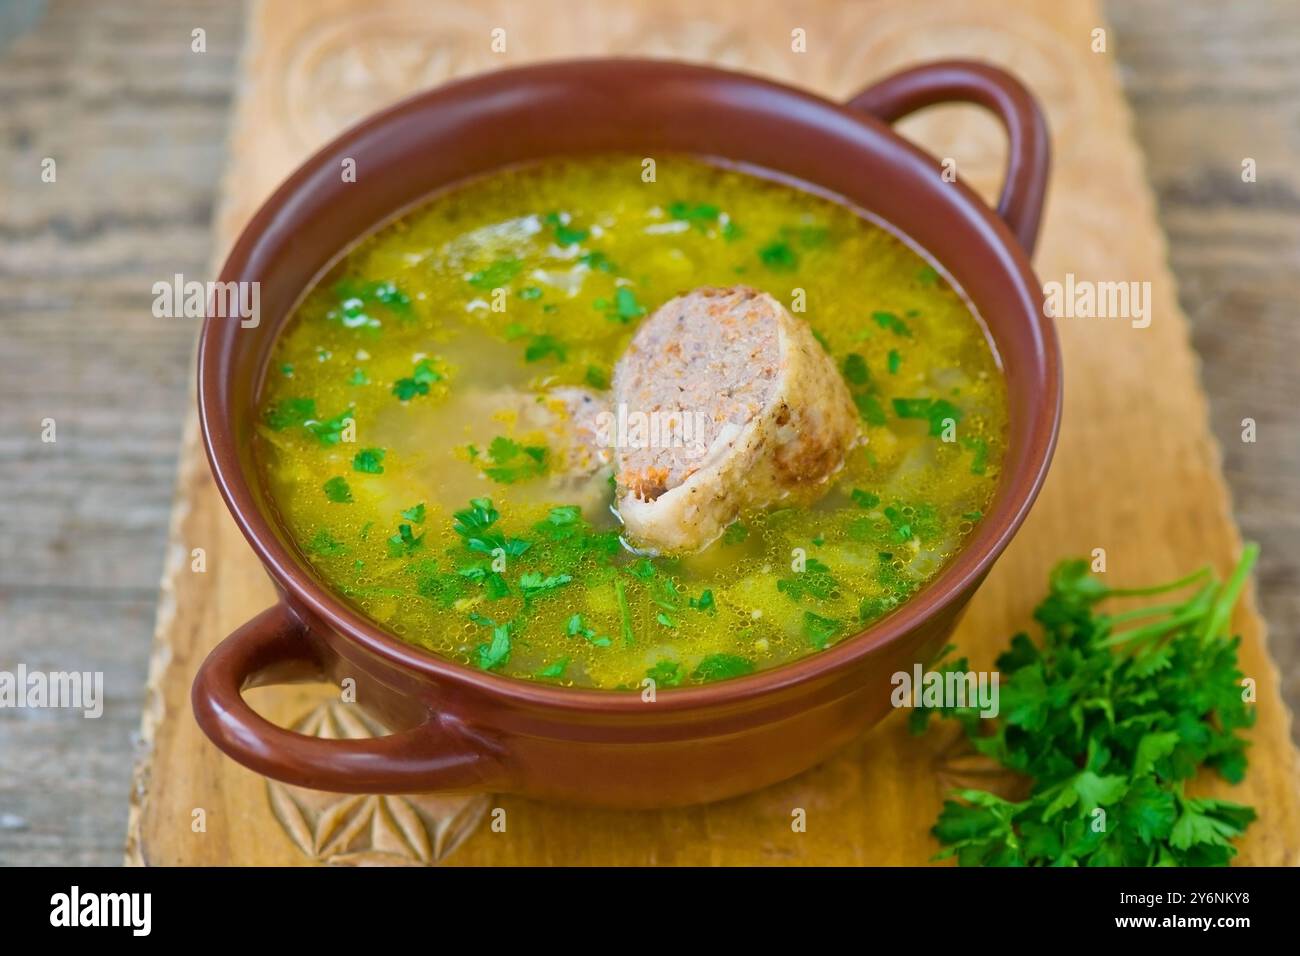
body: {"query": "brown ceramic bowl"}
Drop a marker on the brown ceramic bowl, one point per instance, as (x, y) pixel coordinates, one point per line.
(462, 729)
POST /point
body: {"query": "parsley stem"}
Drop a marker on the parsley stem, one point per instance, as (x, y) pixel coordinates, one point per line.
(1148, 631)
(1160, 588)
(1140, 612)
(1194, 610)
(1219, 614)
(625, 613)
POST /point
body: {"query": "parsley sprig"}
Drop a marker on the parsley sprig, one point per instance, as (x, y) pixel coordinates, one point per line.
(1108, 717)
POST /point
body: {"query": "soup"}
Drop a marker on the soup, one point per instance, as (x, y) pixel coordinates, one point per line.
(422, 425)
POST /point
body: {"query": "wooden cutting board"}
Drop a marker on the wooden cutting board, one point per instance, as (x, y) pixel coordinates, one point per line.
(1137, 471)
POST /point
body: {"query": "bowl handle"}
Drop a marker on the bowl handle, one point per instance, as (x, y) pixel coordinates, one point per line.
(968, 81)
(274, 647)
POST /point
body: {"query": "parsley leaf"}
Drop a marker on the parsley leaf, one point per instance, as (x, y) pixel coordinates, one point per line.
(625, 307)
(326, 545)
(418, 382)
(693, 212)
(509, 461)
(337, 490)
(892, 323)
(870, 409)
(477, 518)
(498, 274)
(357, 301)
(554, 669)
(704, 602)
(667, 673)
(404, 542)
(819, 630)
(735, 533)
(576, 627)
(937, 411)
(778, 256)
(855, 369)
(289, 412)
(597, 260)
(534, 583)
(565, 234)
(494, 654)
(721, 667)
(864, 499)
(815, 580)
(543, 345)
(369, 460)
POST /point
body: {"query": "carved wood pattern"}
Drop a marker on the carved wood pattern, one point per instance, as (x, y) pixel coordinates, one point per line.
(419, 829)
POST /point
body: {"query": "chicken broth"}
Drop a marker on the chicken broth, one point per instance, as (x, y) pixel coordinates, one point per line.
(426, 425)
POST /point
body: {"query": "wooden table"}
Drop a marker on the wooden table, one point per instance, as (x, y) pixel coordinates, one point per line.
(135, 120)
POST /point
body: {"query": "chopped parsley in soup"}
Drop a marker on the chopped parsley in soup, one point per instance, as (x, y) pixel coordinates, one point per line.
(569, 426)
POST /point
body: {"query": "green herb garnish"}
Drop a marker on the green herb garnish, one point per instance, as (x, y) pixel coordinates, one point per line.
(418, 382)
(815, 580)
(704, 602)
(369, 461)
(555, 669)
(326, 545)
(472, 524)
(722, 666)
(496, 275)
(477, 518)
(357, 301)
(565, 235)
(576, 627)
(642, 568)
(540, 346)
(735, 533)
(508, 461)
(337, 490)
(597, 260)
(855, 369)
(870, 409)
(533, 583)
(979, 449)
(289, 412)
(624, 613)
(778, 256)
(819, 630)
(892, 323)
(330, 431)
(626, 307)
(864, 499)
(1107, 718)
(404, 542)
(495, 653)
(937, 411)
(667, 673)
